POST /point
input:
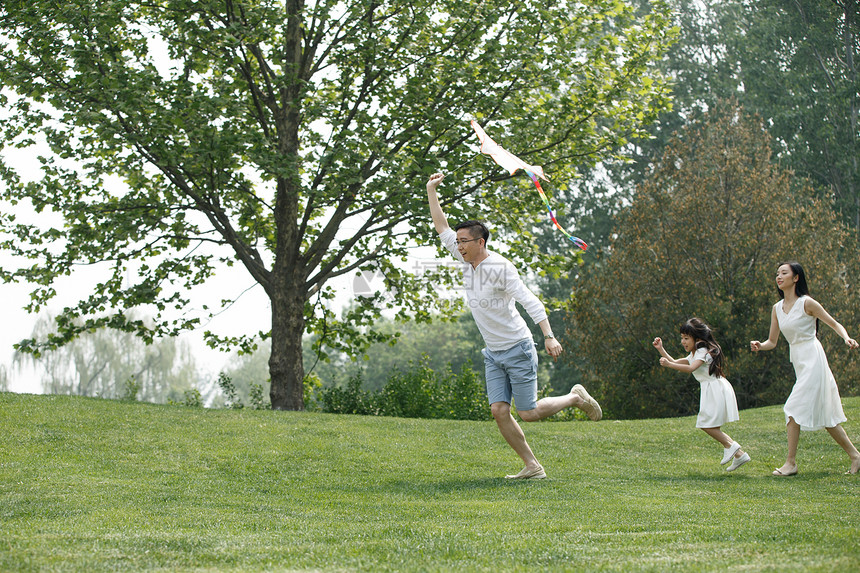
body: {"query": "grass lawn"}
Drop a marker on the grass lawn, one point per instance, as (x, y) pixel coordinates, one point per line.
(98, 485)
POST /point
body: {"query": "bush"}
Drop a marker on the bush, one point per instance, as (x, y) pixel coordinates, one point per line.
(312, 384)
(132, 389)
(257, 397)
(418, 392)
(230, 392)
(349, 400)
(462, 396)
(409, 394)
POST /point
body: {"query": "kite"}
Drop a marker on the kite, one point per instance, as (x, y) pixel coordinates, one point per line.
(511, 162)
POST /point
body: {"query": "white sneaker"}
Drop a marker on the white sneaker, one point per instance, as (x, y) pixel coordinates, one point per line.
(738, 462)
(729, 453)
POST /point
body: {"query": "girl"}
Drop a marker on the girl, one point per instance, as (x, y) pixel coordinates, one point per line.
(717, 404)
(814, 401)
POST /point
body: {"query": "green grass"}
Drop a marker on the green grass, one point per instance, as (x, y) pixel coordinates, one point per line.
(97, 485)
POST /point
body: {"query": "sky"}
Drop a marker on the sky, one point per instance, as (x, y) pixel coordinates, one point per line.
(248, 315)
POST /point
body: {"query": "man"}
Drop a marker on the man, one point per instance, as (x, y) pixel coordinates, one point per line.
(493, 286)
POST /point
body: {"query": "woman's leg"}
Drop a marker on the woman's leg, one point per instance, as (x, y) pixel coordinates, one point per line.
(792, 431)
(841, 437)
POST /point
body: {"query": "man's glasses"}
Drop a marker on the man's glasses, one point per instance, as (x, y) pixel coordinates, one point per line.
(461, 241)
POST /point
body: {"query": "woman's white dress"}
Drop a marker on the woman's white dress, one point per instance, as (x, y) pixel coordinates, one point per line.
(717, 404)
(814, 401)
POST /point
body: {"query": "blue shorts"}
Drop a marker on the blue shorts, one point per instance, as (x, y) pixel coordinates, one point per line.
(512, 373)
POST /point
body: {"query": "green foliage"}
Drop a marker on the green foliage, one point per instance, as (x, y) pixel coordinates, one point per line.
(312, 385)
(451, 340)
(421, 392)
(291, 139)
(132, 389)
(408, 394)
(247, 370)
(703, 237)
(461, 396)
(258, 398)
(222, 490)
(791, 63)
(797, 63)
(229, 390)
(351, 399)
(417, 392)
(192, 398)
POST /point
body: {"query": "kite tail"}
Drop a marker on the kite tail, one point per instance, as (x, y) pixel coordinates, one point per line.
(575, 240)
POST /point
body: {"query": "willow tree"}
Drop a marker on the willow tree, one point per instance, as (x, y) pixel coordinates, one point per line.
(292, 138)
(114, 364)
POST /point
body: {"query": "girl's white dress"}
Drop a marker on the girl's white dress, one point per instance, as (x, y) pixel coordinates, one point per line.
(814, 401)
(717, 404)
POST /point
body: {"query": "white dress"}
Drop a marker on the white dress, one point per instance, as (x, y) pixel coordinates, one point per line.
(717, 404)
(814, 401)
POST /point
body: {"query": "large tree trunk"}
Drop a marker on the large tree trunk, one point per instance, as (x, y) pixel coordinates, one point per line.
(285, 364)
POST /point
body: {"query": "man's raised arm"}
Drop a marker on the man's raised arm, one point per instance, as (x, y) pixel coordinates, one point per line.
(440, 221)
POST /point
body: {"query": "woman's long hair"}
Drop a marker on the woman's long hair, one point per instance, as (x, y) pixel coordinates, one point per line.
(701, 332)
(800, 287)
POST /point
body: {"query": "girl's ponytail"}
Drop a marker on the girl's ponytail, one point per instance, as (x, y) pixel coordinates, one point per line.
(697, 328)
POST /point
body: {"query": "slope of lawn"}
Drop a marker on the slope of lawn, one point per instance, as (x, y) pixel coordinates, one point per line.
(99, 485)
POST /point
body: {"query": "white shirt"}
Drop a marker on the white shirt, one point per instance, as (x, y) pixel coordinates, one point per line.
(492, 290)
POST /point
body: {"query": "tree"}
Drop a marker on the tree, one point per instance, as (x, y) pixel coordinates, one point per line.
(703, 237)
(293, 139)
(793, 63)
(111, 364)
(796, 65)
(442, 343)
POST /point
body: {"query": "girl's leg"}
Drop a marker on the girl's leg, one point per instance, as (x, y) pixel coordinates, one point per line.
(792, 431)
(719, 435)
(727, 443)
(838, 433)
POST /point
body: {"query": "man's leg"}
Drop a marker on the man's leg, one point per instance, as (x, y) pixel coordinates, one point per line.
(513, 434)
(546, 407)
(499, 396)
(522, 370)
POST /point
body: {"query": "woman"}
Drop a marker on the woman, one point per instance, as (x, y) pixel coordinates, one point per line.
(814, 401)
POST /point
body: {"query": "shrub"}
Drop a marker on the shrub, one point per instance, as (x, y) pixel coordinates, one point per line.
(418, 392)
(257, 397)
(132, 389)
(409, 394)
(349, 400)
(312, 386)
(230, 393)
(462, 396)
